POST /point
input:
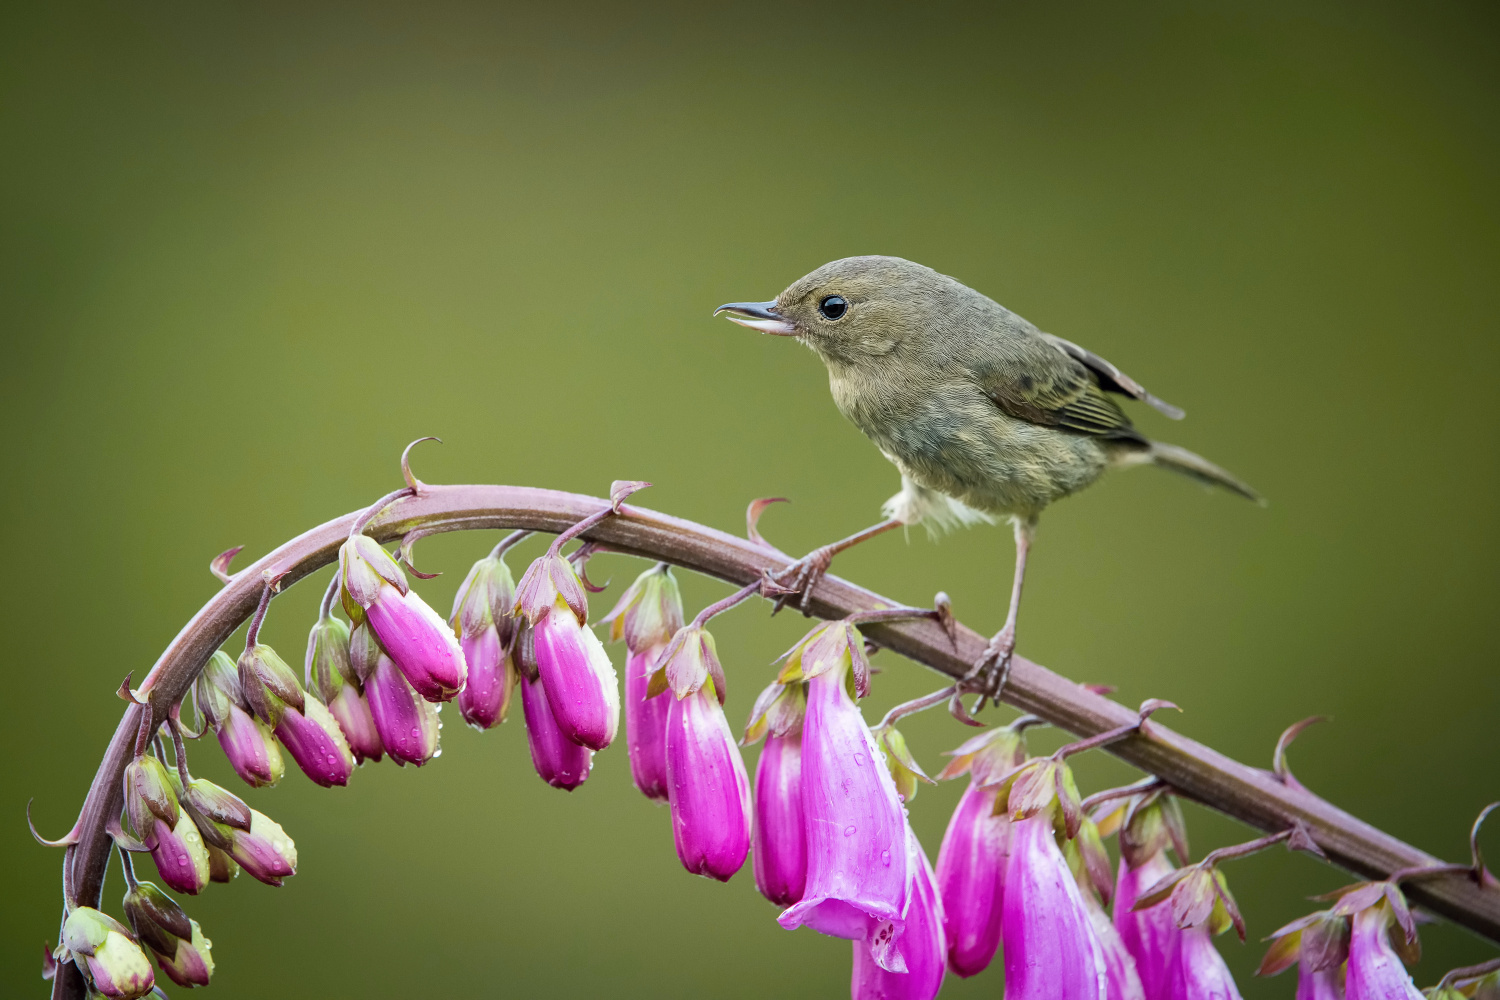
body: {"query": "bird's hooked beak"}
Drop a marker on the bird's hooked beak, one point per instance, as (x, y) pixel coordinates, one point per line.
(760, 316)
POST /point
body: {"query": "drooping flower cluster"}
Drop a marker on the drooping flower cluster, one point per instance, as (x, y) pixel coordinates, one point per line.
(1022, 874)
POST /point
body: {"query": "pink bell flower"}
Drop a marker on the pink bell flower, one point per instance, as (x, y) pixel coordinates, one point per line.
(315, 741)
(858, 881)
(246, 741)
(1375, 970)
(154, 817)
(417, 639)
(971, 861)
(352, 712)
(647, 617)
(172, 936)
(481, 617)
(780, 845)
(1051, 952)
(708, 790)
(1319, 944)
(559, 761)
(582, 687)
(924, 948)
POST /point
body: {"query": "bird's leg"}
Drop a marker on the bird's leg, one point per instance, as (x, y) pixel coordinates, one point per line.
(989, 675)
(803, 575)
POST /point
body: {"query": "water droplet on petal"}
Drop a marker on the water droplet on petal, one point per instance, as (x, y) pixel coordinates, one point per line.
(182, 859)
(849, 830)
(885, 858)
(859, 760)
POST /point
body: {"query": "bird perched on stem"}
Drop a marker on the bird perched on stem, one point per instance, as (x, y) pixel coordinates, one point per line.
(986, 416)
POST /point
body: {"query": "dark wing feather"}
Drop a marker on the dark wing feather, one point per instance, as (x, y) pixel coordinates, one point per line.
(1112, 379)
(1031, 379)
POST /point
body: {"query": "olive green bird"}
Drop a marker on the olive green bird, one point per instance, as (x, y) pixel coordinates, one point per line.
(986, 416)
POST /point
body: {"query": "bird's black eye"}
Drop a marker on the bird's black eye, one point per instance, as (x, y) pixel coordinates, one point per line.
(833, 307)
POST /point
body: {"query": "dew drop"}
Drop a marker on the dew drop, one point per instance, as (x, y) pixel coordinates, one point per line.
(332, 759)
(859, 760)
(849, 830)
(415, 733)
(885, 858)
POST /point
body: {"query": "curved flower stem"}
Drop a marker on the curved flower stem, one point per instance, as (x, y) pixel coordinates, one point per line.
(906, 708)
(1243, 850)
(1467, 972)
(252, 634)
(330, 595)
(509, 542)
(719, 607)
(1195, 771)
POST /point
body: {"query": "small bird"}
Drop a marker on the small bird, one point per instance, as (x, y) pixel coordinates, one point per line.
(985, 416)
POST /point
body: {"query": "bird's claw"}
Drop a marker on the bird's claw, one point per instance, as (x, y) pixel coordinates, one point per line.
(990, 672)
(800, 578)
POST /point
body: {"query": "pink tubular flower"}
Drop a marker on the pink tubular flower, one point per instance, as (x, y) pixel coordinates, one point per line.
(647, 617)
(406, 723)
(1198, 970)
(709, 791)
(923, 945)
(1050, 948)
(1375, 969)
(252, 839)
(971, 879)
(352, 712)
(581, 684)
(1149, 935)
(780, 844)
(180, 855)
(971, 861)
(416, 638)
(559, 761)
(246, 741)
(481, 617)
(173, 937)
(332, 679)
(780, 831)
(154, 817)
(858, 881)
(316, 743)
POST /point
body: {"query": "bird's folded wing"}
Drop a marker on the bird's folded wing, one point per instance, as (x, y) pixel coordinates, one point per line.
(1111, 378)
(1034, 380)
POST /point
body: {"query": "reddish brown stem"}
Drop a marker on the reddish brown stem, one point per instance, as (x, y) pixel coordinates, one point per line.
(1193, 770)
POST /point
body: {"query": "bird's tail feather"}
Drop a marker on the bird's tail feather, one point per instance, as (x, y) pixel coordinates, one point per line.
(1197, 467)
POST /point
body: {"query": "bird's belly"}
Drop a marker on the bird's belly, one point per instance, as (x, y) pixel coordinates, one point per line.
(992, 462)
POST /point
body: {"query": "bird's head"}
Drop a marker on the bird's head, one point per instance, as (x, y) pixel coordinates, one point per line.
(855, 310)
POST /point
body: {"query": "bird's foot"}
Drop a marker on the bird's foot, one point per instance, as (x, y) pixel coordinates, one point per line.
(990, 672)
(799, 579)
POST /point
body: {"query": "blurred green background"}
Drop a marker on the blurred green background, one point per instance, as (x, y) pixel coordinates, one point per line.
(248, 252)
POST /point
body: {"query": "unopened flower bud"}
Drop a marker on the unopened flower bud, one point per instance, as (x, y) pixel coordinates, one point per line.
(316, 743)
(352, 712)
(174, 938)
(559, 761)
(407, 723)
(106, 954)
(246, 741)
(327, 667)
(221, 867)
(267, 684)
(422, 645)
(257, 843)
(154, 817)
(582, 687)
(481, 617)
